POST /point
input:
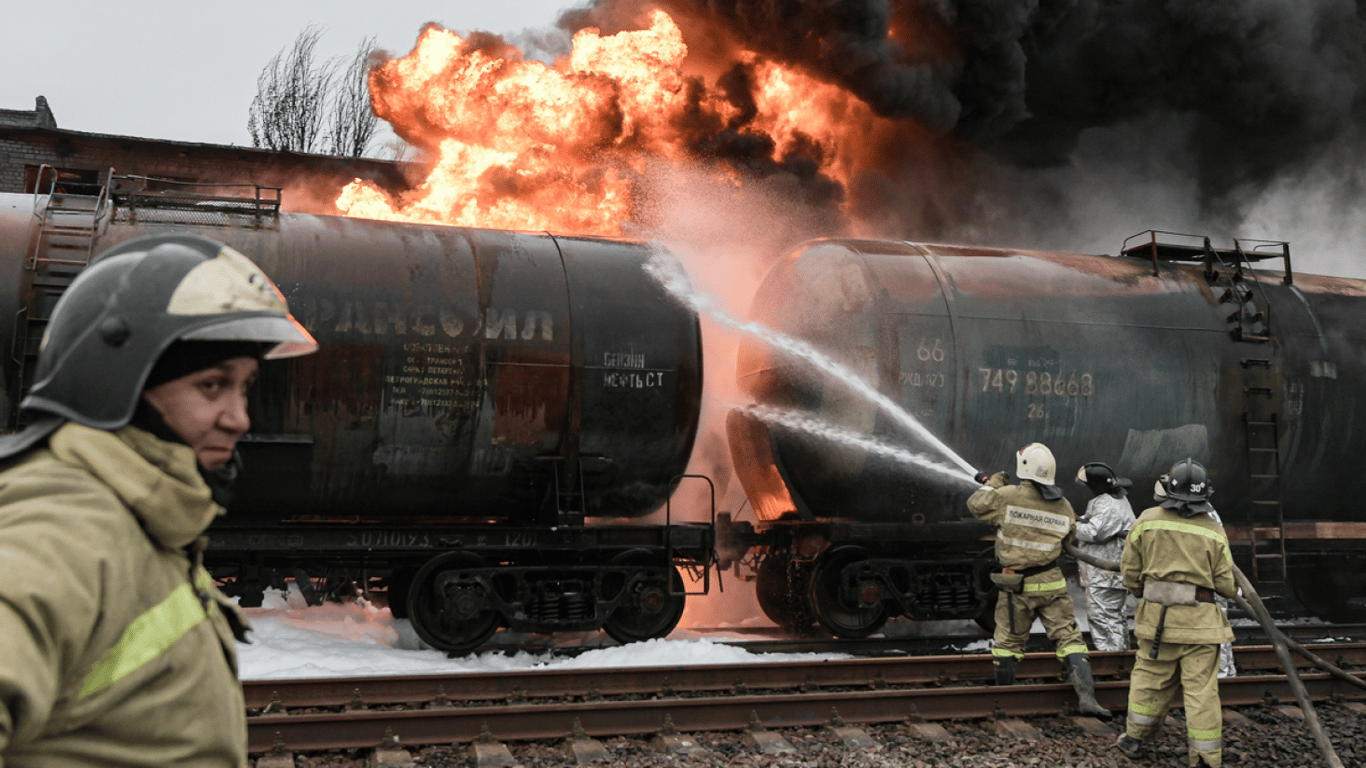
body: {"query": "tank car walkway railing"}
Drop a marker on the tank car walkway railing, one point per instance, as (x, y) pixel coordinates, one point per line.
(137, 197)
(1165, 249)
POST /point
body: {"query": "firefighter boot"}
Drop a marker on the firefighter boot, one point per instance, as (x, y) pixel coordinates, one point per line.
(1005, 669)
(1129, 746)
(1079, 668)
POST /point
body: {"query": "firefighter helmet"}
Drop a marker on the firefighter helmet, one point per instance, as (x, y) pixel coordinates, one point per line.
(1160, 489)
(131, 304)
(1100, 478)
(1188, 488)
(1035, 462)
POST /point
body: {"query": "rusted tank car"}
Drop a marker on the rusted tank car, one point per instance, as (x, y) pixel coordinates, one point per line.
(1171, 349)
(489, 417)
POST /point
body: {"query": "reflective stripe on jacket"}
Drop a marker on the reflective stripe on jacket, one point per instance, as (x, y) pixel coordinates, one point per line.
(117, 647)
(1165, 547)
(1029, 530)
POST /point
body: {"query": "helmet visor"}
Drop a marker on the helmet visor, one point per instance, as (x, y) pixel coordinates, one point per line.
(290, 338)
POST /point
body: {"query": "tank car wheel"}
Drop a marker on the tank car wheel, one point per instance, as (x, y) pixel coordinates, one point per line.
(448, 607)
(781, 585)
(650, 611)
(846, 604)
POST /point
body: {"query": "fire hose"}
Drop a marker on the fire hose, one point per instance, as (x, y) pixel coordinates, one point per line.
(1251, 602)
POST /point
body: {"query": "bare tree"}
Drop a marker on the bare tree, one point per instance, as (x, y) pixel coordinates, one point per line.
(353, 120)
(291, 97)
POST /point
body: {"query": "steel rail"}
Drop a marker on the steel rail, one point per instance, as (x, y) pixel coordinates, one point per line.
(520, 722)
(916, 645)
(505, 686)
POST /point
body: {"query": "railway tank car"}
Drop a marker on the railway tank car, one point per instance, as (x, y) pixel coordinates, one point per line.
(1172, 349)
(490, 418)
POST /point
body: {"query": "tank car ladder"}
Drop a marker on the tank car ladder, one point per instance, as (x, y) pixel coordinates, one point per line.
(60, 247)
(1267, 516)
(570, 503)
(1261, 428)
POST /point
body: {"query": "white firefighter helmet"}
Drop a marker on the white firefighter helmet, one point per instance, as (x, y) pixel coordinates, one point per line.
(1035, 462)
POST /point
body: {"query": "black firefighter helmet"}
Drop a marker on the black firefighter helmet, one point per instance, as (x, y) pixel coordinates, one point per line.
(1099, 478)
(1188, 489)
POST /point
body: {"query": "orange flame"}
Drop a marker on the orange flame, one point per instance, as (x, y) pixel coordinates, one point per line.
(522, 145)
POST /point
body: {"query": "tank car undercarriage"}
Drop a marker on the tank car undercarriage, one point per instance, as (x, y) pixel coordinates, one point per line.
(850, 578)
(460, 584)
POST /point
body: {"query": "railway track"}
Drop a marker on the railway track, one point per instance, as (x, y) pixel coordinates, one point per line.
(770, 640)
(897, 646)
(483, 708)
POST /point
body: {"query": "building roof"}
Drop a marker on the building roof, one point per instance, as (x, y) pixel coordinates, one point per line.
(40, 117)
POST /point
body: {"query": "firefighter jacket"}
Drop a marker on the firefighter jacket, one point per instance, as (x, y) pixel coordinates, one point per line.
(1166, 548)
(1029, 529)
(117, 648)
(1100, 533)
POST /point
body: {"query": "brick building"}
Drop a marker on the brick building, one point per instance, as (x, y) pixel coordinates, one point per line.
(80, 162)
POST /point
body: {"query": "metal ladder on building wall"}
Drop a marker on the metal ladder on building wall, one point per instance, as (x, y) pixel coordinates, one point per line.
(60, 247)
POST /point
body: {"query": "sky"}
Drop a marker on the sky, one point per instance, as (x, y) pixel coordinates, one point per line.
(186, 71)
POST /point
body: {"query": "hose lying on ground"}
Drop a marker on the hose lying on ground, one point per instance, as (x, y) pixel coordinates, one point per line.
(1251, 602)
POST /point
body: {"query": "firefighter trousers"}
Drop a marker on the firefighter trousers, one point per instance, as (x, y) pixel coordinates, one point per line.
(1017, 611)
(1153, 683)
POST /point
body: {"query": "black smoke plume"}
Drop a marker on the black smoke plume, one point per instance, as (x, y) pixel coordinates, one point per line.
(1027, 102)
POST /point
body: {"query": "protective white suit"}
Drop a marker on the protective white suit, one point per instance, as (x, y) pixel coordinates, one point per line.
(1100, 533)
(1226, 666)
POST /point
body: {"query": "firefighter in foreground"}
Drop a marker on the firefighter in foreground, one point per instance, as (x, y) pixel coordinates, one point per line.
(118, 649)
(1227, 666)
(1032, 520)
(1100, 532)
(1176, 560)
